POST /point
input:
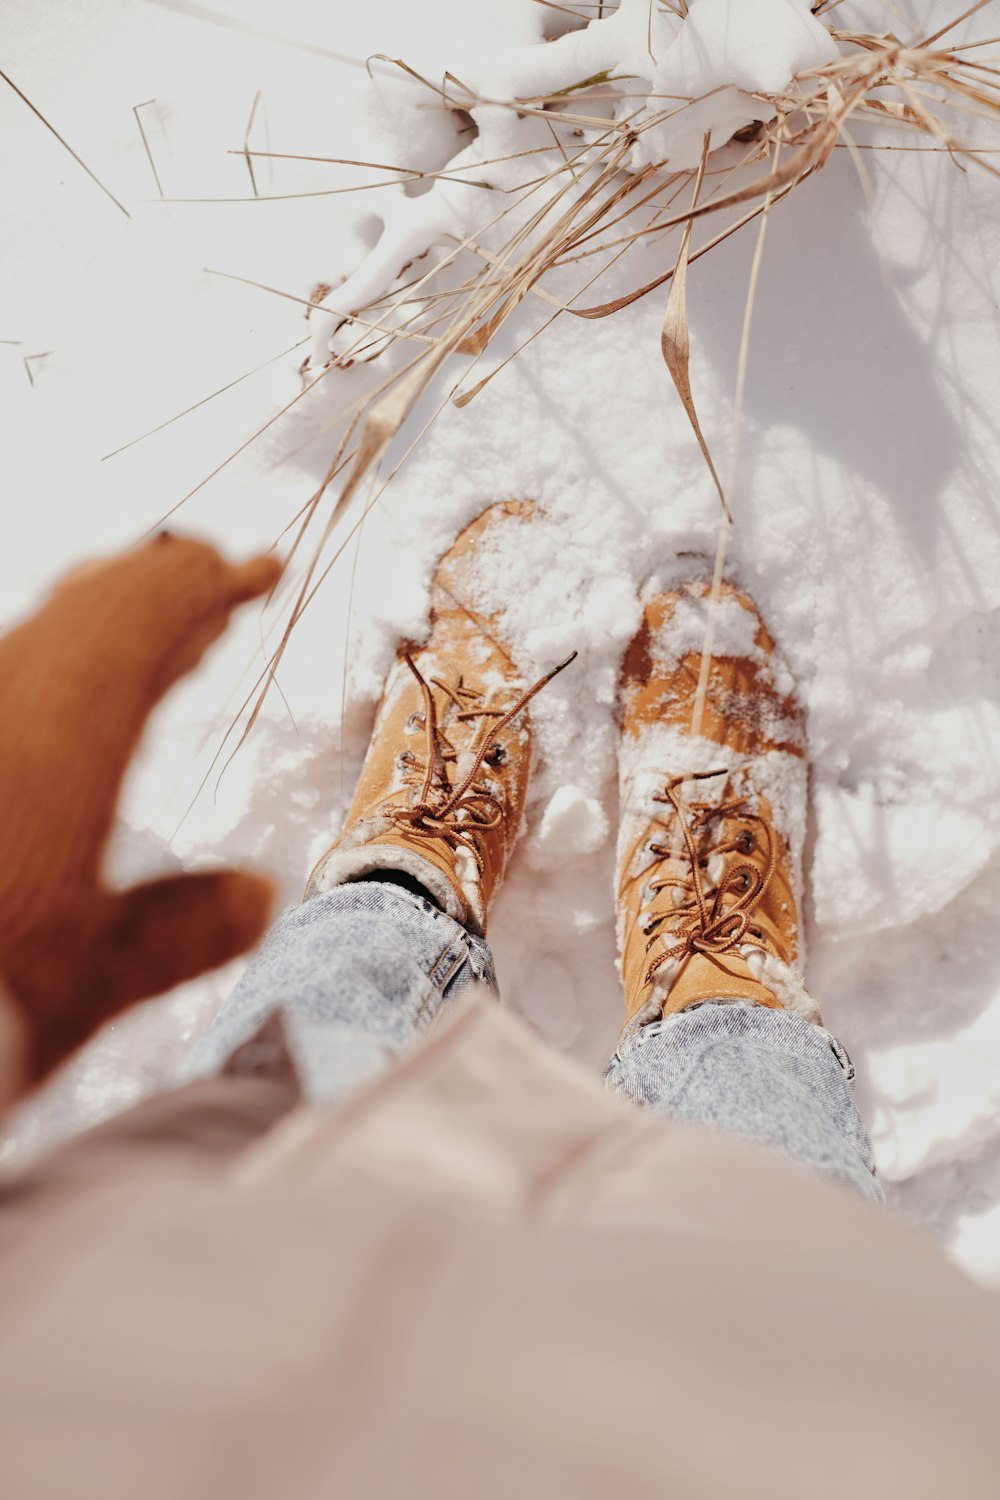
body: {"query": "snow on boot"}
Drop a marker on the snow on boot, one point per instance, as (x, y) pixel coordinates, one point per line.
(441, 792)
(711, 825)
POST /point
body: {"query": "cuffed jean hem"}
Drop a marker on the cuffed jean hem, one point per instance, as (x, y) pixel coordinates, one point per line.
(767, 1075)
(356, 973)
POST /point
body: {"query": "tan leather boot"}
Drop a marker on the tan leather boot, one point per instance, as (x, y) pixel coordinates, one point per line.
(441, 793)
(712, 827)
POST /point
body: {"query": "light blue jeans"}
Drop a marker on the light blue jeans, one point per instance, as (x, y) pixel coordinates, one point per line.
(360, 971)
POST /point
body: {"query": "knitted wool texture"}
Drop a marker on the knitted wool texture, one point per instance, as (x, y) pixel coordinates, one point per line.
(77, 683)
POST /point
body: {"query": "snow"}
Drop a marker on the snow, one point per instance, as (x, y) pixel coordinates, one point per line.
(758, 48)
(713, 61)
(570, 825)
(866, 518)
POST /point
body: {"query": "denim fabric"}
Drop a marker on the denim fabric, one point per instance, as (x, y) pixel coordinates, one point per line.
(356, 972)
(361, 970)
(765, 1074)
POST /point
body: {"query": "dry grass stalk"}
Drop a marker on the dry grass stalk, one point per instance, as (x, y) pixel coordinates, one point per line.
(675, 343)
(145, 142)
(64, 143)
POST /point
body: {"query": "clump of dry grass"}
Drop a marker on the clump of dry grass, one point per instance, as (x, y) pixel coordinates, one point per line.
(586, 207)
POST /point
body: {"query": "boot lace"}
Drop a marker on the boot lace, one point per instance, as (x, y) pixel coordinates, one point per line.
(712, 921)
(458, 814)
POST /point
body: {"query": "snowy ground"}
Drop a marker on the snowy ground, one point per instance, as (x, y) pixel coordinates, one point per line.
(866, 517)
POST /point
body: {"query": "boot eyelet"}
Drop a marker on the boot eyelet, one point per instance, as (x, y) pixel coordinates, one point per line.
(746, 842)
(745, 881)
(496, 755)
(404, 758)
(703, 864)
(414, 722)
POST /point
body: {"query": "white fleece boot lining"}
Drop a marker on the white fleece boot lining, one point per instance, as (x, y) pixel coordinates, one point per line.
(341, 866)
(783, 982)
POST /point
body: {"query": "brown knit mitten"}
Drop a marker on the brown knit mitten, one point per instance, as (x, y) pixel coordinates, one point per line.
(77, 683)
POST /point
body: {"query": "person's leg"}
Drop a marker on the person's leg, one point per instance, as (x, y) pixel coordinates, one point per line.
(356, 973)
(768, 1075)
(720, 1028)
(395, 920)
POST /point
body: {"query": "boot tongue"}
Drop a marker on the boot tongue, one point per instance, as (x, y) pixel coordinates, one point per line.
(724, 976)
(464, 764)
(726, 900)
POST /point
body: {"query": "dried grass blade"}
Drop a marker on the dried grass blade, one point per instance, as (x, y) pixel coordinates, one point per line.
(715, 595)
(477, 341)
(64, 143)
(382, 421)
(708, 648)
(536, 291)
(241, 449)
(929, 41)
(470, 395)
(523, 275)
(675, 343)
(202, 401)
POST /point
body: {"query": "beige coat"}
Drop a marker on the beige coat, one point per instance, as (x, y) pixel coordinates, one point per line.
(480, 1278)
